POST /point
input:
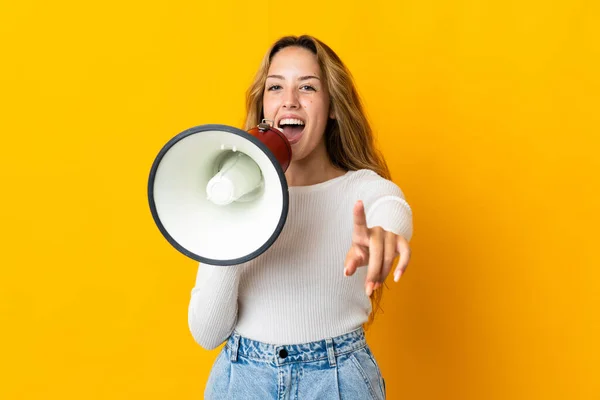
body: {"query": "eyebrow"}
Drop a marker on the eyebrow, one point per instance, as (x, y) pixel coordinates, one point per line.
(302, 78)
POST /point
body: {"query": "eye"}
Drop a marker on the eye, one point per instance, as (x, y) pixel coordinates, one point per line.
(308, 87)
(273, 87)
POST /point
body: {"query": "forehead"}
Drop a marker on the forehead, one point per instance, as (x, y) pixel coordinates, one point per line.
(294, 61)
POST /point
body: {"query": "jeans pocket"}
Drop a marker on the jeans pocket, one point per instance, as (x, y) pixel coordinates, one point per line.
(369, 370)
(218, 379)
(381, 380)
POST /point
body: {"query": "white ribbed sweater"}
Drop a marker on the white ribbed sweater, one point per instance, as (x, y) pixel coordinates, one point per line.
(296, 291)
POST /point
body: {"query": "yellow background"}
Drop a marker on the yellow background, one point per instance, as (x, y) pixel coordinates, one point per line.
(487, 111)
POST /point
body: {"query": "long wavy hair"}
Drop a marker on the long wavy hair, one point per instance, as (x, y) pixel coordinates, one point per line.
(349, 138)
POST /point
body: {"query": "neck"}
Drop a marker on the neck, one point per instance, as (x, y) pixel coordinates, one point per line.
(311, 170)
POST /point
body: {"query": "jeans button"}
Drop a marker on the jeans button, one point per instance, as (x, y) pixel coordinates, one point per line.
(283, 353)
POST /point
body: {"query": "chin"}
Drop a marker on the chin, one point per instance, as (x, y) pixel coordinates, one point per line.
(298, 154)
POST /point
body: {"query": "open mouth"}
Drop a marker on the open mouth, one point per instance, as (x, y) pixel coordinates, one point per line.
(292, 128)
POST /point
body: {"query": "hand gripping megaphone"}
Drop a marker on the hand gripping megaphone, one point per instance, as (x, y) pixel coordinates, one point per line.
(218, 194)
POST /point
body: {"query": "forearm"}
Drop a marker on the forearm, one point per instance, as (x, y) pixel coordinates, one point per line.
(385, 206)
(393, 214)
(212, 311)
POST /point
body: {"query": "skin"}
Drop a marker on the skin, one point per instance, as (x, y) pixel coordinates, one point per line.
(295, 86)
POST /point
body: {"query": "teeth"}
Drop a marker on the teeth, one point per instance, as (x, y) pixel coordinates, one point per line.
(290, 121)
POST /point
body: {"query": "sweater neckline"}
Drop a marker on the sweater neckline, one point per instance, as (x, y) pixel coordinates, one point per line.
(319, 186)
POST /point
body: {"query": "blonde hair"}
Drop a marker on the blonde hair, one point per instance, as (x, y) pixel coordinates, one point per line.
(348, 137)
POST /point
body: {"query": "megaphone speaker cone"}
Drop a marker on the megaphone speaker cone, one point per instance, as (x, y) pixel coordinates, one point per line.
(218, 194)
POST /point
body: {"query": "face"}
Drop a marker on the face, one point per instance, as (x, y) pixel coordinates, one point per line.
(297, 100)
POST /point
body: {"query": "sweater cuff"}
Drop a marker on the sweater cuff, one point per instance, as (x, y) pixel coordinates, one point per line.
(393, 214)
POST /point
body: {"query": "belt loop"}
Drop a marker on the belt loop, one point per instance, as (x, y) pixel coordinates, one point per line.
(235, 346)
(330, 352)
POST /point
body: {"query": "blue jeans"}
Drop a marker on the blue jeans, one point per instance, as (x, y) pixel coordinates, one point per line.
(342, 367)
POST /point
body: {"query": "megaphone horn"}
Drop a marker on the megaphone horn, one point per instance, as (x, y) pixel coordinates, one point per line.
(218, 194)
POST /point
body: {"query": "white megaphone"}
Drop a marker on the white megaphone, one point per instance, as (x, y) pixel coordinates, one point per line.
(218, 194)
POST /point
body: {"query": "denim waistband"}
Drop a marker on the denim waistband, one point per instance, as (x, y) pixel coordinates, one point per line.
(326, 349)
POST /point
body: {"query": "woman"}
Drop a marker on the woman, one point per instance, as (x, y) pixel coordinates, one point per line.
(293, 317)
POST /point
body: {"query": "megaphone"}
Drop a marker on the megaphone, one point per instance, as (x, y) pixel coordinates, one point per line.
(218, 194)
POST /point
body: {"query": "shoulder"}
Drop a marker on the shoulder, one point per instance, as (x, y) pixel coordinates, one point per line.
(368, 182)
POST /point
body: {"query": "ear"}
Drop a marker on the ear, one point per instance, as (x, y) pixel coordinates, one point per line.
(331, 113)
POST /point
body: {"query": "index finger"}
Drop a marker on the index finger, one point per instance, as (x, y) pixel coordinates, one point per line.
(360, 232)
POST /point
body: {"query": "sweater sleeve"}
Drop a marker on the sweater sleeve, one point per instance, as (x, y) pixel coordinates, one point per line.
(213, 307)
(386, 206)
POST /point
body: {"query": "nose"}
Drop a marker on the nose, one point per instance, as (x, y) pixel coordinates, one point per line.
(290, 99)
